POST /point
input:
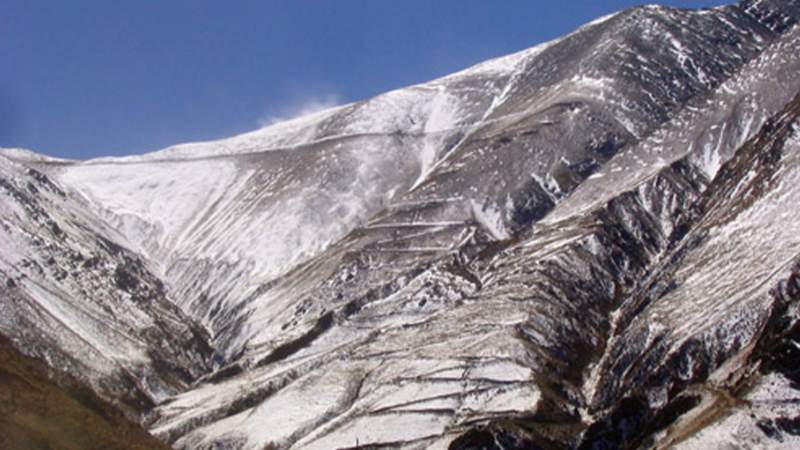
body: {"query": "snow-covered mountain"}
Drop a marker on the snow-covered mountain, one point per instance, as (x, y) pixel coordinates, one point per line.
(593, 243)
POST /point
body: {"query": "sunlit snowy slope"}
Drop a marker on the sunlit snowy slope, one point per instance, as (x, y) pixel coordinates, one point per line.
(593, 243)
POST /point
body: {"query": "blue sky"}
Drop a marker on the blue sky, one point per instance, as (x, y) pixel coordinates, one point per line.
(88, 78)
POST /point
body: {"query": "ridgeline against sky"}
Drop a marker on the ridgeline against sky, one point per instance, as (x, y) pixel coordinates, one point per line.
(91, 78)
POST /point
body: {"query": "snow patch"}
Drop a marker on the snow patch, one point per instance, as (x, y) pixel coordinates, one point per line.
(491, 218)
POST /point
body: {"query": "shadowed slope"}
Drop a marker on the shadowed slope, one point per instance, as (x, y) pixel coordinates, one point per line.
(37, 413)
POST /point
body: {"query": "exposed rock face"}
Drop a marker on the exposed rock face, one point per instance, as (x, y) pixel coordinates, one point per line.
(75, 298)
(593, 243)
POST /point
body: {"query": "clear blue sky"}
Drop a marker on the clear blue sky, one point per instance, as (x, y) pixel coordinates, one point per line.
(85, 78)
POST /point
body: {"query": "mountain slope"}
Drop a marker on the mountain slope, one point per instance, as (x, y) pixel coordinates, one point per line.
(85, 305)
(200, 210)
(414, 308)
(40, 414)
(536, 252)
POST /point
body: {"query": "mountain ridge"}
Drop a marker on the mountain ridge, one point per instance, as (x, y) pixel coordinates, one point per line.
(488, 260)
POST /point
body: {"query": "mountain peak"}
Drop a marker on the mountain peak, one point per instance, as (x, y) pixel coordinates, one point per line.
(534, 252)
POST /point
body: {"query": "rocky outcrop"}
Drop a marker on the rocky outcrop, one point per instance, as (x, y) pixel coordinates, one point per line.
(588, 244)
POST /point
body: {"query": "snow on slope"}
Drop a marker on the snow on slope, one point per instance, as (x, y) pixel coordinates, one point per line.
(708, 128)
(222, 217)
(22, 154)
(428, 107)
(249, 217)
(75, 299)
(419, 325)
(332, 255)
(772, 401)
(719, 309)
